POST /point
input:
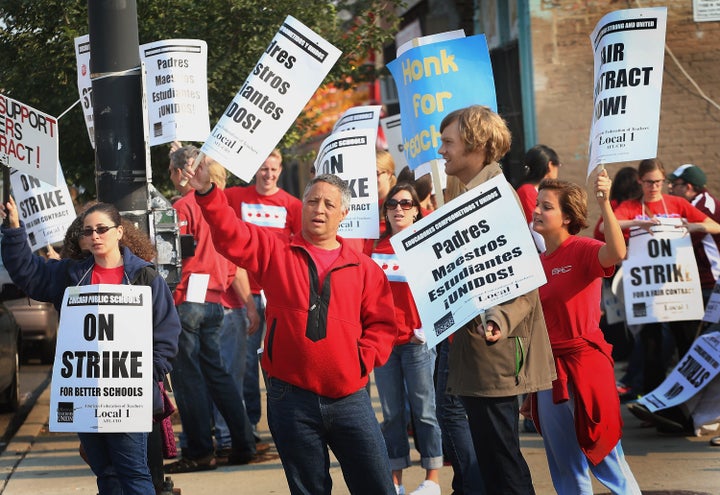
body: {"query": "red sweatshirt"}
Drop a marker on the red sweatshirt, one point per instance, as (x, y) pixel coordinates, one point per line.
(325, 339)
(206, 259)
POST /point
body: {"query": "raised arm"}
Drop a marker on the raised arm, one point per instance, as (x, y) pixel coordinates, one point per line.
(614, 249)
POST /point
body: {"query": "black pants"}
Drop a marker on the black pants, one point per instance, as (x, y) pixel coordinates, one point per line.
(494, 430)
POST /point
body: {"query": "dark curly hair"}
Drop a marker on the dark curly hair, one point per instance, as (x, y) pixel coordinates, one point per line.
(133, 238)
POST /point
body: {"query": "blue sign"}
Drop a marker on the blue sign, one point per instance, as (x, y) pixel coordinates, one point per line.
(432, 81)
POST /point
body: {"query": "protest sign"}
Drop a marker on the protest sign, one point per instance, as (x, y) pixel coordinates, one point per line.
(629, 52)
(84, 83)
(433, 80)
(286, 76)
(175, 85)
(475, 252)
(176, 89)
(28, 140)
(351, 156)
(392, 128)
(612, 299)
(47, 211)
(360, 117)
(102, 378)
(660, 276)
(693, 372)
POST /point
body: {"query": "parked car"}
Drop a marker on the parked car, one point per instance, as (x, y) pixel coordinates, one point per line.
(38, 321)
(9, 360)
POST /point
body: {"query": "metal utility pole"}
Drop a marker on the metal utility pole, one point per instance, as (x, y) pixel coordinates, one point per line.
(120, 156)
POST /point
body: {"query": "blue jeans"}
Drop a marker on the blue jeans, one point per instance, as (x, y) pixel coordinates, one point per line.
(198, 375)
(233, 340)
(119, 460)
(251, 382)
(409, 366)
(569, 468)
(495, 433)
(304, 424)
(456, 436)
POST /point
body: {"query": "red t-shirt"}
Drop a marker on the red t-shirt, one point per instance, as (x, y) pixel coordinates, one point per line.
(102, 275)
(406, 314)
(280, 211)
(667, 207)
(323, 258)
(571, 297)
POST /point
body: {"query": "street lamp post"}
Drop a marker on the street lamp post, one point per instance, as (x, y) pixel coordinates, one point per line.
(120, 153)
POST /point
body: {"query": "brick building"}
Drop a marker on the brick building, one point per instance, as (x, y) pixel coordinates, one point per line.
(543, 66)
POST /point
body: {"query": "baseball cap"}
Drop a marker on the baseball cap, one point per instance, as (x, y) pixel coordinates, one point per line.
(690, 174)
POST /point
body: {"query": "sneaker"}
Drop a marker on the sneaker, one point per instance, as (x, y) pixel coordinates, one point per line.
(427, 487)
(622, 389)
(256, 435)
(399, 490)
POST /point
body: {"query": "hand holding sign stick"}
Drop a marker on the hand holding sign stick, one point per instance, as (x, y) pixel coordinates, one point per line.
(602, 184)
(600, 194)
(193, 167)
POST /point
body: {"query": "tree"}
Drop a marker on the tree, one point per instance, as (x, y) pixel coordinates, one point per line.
(37, 49)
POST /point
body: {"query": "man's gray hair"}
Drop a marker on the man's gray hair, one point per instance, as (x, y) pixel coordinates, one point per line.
(333, 180)
(180, 156)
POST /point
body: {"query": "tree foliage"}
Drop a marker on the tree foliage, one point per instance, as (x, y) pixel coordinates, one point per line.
(39, 68)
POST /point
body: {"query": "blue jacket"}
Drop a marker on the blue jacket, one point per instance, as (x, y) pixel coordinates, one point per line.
(46, 280)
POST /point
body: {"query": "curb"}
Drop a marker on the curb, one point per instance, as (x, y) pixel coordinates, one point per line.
(25, 437)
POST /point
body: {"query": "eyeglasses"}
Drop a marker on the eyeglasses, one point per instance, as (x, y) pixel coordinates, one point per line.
(405, 204)
(672, 185)
(101, 230)
(653, 182)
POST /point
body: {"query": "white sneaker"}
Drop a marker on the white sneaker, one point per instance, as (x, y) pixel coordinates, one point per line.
(427, 487)
(399, 490)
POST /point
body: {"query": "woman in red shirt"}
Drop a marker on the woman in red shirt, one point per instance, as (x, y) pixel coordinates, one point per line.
(583, 398)
(645, 213)
(408, 374)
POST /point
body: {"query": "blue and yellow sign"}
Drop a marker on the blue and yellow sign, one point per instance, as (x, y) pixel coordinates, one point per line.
(432, 81)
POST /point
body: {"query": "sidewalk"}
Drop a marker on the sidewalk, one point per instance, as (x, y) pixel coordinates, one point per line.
(39, 462)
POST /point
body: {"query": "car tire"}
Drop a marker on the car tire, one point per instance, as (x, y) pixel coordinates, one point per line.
(11, 395)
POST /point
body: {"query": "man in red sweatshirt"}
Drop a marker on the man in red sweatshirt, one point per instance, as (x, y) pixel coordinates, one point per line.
(330, 321)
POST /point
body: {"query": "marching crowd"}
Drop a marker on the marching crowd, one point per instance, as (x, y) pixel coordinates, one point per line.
(284, 297)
